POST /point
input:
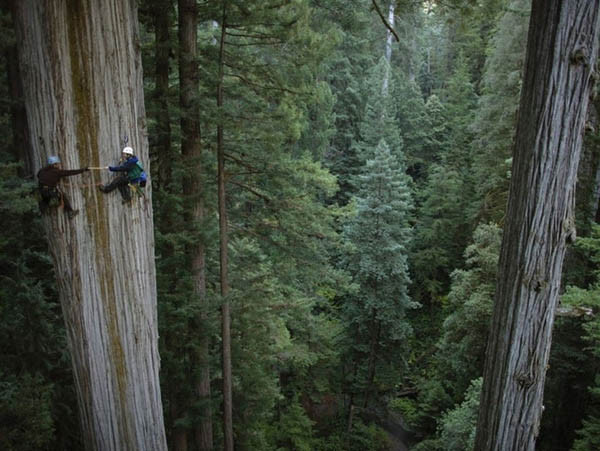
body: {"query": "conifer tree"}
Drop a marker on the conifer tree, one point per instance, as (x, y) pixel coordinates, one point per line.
(193, 190)
(346, 70)
(376, 315)
(459, 101)
(460, 349)
(443, 225)
(441, 233)
(379, 119)
(270, 199)
(436, 140)
(415, 127)
(496, 116)
(589, 298)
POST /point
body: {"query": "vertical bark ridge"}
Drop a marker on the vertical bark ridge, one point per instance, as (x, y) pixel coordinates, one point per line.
(539, 220)
(83, 88)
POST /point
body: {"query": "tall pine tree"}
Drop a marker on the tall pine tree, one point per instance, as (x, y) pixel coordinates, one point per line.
(376, 315)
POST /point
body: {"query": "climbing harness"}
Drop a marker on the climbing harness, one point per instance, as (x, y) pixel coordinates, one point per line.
(51, 196)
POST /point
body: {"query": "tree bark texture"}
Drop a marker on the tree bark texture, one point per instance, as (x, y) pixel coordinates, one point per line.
(561, 54)
(191, 148)
(82, 78)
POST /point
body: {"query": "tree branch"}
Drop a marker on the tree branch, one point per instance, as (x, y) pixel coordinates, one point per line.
(385, 22)
(252, 190)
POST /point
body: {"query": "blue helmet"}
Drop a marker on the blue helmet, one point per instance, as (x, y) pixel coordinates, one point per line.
(53, 159)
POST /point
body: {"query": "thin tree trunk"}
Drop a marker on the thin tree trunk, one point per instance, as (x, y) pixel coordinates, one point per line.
(388, 48)
(191, 148)
(351, 408)
(561, 54)
(389, 37)
(595, 204)
(21, 146)
(591, 152)
(350, 415)
(223, 241)
(81, 69)
(373, 350)
(178, 438)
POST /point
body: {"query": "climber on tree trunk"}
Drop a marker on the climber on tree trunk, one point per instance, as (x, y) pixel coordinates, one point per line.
(50, 195)
(134, 175)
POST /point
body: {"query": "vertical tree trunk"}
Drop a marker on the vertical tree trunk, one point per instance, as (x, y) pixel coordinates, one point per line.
(21, 146)
(388, 48)
(595, 203)
(164, 153)
(191, 148)
(593, 163)
(561, 53)
(223, 242)
(373, 351)
(82, 80)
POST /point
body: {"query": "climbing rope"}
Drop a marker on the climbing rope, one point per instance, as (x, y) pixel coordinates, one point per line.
(82, 185)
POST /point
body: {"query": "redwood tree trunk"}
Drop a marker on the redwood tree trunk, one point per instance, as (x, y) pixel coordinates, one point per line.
(191, 149)
(161, 10)
(82, 81)
(561, 53)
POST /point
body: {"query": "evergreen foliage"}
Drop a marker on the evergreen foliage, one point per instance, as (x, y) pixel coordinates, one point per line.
(347, 68)
(456, 431)
(587, 434)
(37, 398)
(415, 128)
(495, 122)
(379, 120)
(25, 413)
(460, 350)
(376, 315)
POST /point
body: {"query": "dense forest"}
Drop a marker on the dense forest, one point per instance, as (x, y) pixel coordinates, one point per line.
(315, 256)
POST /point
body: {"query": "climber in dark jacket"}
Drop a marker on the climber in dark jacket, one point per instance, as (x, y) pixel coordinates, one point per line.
(50, 195)
(134, 175)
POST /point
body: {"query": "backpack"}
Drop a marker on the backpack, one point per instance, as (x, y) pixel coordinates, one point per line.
(135, 172)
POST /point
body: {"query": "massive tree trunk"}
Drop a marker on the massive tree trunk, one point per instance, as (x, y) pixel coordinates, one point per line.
(191, 148)
(82, 79)
(561, 54)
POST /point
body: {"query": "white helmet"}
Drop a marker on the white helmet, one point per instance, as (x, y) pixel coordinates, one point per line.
(128, 151)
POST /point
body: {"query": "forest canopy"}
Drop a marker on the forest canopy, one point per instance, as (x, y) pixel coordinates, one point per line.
(314, 254)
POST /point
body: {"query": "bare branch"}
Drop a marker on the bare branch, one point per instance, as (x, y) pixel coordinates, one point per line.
(385, 22)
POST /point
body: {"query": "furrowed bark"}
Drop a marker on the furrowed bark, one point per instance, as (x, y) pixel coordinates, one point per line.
(561, 54)
(82, 81)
